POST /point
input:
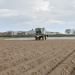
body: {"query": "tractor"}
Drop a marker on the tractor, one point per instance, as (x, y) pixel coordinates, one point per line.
(40, 33)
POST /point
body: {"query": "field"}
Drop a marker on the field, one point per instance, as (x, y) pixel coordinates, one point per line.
(51, 57)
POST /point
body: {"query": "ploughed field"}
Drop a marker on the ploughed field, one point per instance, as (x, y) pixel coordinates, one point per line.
(51, 57)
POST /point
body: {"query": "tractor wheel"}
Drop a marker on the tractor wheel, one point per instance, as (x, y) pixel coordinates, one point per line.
(39, 38)
(43, 37)
(35, 38)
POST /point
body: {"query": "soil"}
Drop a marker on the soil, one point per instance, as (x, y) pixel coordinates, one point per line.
(50, 57)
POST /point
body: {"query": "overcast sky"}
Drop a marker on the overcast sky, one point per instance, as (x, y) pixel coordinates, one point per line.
(23, 15)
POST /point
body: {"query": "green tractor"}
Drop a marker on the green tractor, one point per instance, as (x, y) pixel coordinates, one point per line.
(40, 33)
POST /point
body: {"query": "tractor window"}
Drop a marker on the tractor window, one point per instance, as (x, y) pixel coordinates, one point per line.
(38, 31)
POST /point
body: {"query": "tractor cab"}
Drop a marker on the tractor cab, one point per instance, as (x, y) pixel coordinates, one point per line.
(40, 33)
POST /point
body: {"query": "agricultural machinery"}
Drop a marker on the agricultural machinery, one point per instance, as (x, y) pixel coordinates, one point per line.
(40, 33)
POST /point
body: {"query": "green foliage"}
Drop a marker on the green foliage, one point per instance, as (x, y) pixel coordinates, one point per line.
(27, 36)
(61, 35)
(17, 36)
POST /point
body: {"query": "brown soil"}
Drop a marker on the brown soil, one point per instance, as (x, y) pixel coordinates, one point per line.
(52, 57)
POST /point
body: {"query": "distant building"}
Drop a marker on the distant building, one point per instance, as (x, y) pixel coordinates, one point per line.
(0, 33)
(57, 33)
(22, 33)
(19, 33)
(49, 33)
(31, 32)
(52, 33)
(11, 33)
(25, 33)
(15, 33)
(4, 33)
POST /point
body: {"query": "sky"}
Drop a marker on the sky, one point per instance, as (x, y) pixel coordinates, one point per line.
(24, 15)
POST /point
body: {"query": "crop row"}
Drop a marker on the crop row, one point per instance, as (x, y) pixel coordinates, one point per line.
(45, 59)
(49, 65)
(32, 63)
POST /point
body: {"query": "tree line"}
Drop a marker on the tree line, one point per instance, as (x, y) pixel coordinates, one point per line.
(70, 31)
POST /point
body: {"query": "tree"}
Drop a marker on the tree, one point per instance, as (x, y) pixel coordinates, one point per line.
(68, 31)
(73, 31)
